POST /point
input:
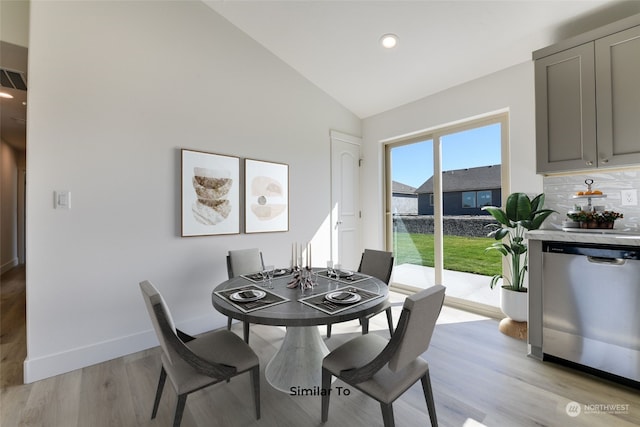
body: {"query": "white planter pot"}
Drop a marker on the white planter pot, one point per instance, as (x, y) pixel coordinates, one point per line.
(514, 304)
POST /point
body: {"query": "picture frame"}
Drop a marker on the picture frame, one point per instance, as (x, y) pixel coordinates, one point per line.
(210, 194)
(266, 196)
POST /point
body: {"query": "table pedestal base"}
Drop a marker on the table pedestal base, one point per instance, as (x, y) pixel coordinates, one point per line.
(298, 363)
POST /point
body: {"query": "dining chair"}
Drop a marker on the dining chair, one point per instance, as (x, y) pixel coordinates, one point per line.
(378, 264)
(239, 262)
(384, 369)
(195, 363)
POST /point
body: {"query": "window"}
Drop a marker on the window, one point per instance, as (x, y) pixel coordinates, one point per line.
(452, 170)
(484, 198)
(469, 199)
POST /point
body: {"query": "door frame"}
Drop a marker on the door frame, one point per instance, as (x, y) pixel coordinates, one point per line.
(338, 138)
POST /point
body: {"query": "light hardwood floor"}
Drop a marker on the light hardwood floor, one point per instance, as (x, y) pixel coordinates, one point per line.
(479, 376)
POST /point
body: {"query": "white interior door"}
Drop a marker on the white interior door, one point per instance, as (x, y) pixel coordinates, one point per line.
(345, 200)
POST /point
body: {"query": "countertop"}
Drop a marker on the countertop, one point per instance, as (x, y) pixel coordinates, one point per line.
(607, 237)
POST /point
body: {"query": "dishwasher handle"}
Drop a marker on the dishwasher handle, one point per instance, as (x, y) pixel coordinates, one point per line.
(603, 260)
(604, 251)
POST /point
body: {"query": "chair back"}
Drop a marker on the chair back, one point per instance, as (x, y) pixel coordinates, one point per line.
(244, 261)
(153, 299)
(378, 264)
(424, 308)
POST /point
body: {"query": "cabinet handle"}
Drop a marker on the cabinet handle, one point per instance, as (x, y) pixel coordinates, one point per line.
(604, 161)
(589, 163)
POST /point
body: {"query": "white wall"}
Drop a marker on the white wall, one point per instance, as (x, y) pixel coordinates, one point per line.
(509, 90)
(116, 89)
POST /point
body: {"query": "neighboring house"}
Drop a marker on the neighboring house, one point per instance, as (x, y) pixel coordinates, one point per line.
(404, 199)
(465, 191)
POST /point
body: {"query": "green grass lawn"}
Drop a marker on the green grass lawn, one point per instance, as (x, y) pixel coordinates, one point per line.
(460, 253)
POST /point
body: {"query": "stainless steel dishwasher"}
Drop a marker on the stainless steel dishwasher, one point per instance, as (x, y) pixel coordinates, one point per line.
(591, 306)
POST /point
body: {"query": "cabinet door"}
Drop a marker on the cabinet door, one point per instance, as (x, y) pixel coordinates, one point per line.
(565, 110)
(618, 98)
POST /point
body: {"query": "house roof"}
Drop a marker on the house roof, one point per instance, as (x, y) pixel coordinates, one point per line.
(479, 178)
(400, 188)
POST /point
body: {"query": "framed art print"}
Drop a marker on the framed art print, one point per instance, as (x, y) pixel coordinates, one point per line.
(210, 194)
(266, 196)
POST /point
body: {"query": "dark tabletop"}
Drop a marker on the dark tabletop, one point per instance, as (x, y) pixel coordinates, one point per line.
(296, 313)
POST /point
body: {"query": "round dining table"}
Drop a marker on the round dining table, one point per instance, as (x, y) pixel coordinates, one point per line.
(297, 365)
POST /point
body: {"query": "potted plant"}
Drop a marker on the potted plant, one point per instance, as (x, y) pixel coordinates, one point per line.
(520, 214)
(599, 219)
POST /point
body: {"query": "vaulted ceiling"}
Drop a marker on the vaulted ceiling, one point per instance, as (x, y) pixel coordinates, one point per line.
(335, 44)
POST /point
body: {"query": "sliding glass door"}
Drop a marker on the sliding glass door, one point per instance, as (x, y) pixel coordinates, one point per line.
(438, 184)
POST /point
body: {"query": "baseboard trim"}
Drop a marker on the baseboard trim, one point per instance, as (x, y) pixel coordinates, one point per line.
(39, 368)
(8, 265)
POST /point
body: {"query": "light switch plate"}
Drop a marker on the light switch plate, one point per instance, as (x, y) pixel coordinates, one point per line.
(62, 199)
(629, 197)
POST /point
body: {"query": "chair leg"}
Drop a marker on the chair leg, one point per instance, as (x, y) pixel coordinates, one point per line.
(387, 414)
(428, 395)
(177, 419)
(329, 330)
(245, 331)
(156, 403)
(255, 386)
(365, 325)
(229, 323)
(326, 386)
(389, 320)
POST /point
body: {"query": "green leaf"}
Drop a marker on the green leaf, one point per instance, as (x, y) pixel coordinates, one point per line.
(518, 207)
(518, 248)
(541, 215)
(498, 214)
(494, 280)
(538, 202)
(498, 247)
(501, 233)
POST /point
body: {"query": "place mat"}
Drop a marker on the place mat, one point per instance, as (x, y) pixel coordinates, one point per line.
(257, 277)
(270, 300)
(356, 277)
(320, 303)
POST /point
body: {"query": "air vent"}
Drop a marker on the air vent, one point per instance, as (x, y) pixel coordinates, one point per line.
(12, 79)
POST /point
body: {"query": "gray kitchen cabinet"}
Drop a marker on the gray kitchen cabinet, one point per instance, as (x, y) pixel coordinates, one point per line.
(618, 98)
(566, 110)
(588, 101)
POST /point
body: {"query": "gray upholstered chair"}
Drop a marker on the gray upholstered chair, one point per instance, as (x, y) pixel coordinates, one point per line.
(378, 264)
(194, 363)
(239, 262)
(384, 369)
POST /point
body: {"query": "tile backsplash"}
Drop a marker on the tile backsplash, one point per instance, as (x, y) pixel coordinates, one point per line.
(559, 192)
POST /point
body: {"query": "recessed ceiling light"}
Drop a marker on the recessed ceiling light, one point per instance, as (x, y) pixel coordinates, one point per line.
(6, 95)
(389, 41)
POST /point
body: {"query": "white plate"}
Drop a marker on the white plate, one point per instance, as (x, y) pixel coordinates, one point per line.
(280, 272)
(248, 295)
(345, 273)
(343, 297)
